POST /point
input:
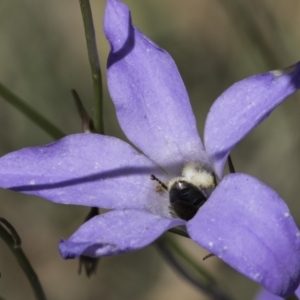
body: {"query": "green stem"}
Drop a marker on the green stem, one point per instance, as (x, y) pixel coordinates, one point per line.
(230, 165)
(179, 232)
(210, 289)
(293, 297)
(13, 242)
(94, 63)
(32, 114)
(189, 260)
(86, 122)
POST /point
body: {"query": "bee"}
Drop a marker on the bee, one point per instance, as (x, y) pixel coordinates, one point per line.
(190, 191)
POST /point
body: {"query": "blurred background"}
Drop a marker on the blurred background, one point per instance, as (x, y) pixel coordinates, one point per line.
(214, 43)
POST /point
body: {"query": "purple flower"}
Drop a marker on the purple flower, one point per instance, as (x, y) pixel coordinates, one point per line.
(243, 222)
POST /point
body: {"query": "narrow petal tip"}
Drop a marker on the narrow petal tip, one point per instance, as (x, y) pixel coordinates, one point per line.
(288, 70)
(117, 24)
(242, 107)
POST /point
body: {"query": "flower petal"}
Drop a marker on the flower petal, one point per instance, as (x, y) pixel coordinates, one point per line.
(151, 101)
(242, 107)
(265, 295)
(246, 224)
(116, 232)
(85, 169)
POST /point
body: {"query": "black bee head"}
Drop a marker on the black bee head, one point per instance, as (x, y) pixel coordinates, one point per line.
(185, 199)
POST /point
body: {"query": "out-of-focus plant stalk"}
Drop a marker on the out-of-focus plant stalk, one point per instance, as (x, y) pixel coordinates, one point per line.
(31, 113)
(294, 297)
(13, 241)
(94, 64)
(250, 31)
(189, 260)
(165, 247)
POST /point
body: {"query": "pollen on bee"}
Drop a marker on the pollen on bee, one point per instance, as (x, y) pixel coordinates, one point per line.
(159, 189)
(195, 173)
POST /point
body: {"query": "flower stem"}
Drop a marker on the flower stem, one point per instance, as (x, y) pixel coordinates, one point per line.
(179, 232)
(230, 165)
(163, 246)
(94, 64)
(190, 261)
(86, 121)
(13, 241)
(31, 113)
